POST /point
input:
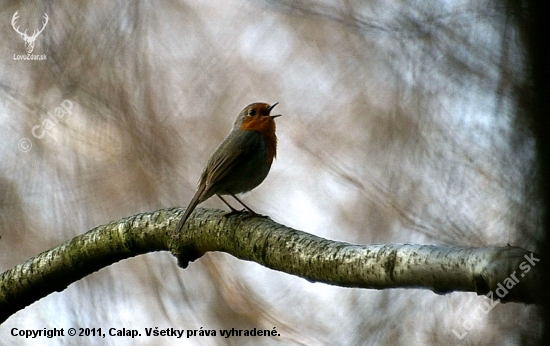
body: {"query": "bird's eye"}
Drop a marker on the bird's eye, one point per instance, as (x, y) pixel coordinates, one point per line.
(252, 112)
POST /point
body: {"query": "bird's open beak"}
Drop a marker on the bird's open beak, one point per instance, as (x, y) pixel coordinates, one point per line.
(271, 107)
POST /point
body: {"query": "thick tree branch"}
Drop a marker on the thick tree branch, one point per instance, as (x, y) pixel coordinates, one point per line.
(511, 273)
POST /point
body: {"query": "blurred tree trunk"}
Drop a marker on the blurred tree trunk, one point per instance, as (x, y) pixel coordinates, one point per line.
(535, 23)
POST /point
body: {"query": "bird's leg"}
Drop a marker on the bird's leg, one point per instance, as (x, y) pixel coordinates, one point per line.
(250, 211)
(233, 210)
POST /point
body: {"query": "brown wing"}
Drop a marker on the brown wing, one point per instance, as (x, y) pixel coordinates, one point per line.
(220, 166)
(230, 153)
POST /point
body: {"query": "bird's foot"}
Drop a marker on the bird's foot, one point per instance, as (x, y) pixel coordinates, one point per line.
(248, 213)
(255, 215)
(235, 212)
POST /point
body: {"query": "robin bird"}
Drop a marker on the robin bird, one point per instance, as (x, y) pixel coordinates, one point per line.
(241, 161)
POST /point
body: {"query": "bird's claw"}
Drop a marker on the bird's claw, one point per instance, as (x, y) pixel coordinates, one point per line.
(248, 213)
(234, 212)
(256, 215)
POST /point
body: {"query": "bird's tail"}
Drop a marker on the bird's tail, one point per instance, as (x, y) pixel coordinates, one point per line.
(194, 202)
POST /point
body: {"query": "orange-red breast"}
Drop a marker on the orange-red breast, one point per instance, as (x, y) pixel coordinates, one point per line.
(241, 161)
